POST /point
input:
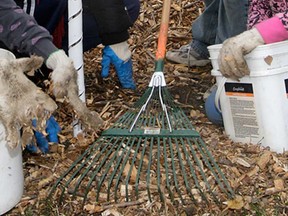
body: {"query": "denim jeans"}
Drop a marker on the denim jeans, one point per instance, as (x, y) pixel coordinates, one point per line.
(220, 20)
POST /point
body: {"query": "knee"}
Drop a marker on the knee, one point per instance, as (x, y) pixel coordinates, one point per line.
(211, 110)
(133, 8)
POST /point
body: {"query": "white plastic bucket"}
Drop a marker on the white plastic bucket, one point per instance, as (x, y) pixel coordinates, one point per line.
(11, 169)
(255, 108)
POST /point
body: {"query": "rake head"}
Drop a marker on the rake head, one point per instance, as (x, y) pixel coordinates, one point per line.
(153, 154)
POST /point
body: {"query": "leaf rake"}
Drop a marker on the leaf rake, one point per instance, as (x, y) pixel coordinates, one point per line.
(152, 152)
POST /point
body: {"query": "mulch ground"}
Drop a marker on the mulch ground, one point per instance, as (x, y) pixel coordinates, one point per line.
(258, 176)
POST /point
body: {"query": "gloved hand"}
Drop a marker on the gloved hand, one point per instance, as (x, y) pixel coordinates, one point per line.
(231, 57)
(64, 86)
(42, 142)
(120, 56)
(63, 73)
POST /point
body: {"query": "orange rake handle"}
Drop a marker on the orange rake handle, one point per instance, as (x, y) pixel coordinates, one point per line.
(163, 33)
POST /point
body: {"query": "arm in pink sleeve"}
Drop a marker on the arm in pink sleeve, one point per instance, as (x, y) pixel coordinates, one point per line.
(272, 30)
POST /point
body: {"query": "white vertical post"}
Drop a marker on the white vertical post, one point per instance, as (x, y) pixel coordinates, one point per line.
(75, 49)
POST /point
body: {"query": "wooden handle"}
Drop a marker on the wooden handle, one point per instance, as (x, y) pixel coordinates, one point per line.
(163, 33)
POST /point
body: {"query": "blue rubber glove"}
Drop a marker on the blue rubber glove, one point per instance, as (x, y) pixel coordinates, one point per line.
(42, 142)
(120, 56)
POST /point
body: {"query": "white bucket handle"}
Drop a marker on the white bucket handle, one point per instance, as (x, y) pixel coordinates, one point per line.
(218, 92)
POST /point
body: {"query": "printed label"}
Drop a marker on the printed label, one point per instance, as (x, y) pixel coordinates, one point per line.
(239, 89)
(152, 130)
(243, 111)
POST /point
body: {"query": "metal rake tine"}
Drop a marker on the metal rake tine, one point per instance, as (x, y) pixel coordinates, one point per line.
(142, 109)
(165, 109)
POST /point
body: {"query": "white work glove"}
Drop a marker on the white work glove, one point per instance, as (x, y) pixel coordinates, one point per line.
(64, 86)
(63, 73)
(231, 58)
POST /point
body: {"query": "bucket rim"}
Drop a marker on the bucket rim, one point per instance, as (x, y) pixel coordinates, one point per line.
(258, 48)
(7, 52)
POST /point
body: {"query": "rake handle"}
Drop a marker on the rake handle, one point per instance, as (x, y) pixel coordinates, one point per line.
(163, 35)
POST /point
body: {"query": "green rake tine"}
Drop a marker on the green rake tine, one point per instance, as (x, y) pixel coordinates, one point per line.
(108, 166)
(131, 167)
(217, 168)
(187, 185)
(143, 98)
(86, 152)
(200, 168)
(174, 170)
(166, 170)
(87, 170)
(140, 168)
(158, 171)
(141, 121)
(95, 160)
(149, 165)
(149, 169)
(95, 172)
(128, 120)
(123, 167)
(124, 120)
(192, 170)
(179, 114)
(214, 163)
(187, 121)
(164, 106)
(142, 109)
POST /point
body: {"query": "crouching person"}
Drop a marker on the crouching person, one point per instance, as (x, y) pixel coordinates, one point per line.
(19, 31)
(104, 22)
(267, 23)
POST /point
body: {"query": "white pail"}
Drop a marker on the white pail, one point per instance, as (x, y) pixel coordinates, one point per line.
(11, 170)
(255, 108)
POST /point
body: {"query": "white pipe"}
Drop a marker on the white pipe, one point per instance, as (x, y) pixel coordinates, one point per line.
(75, 49)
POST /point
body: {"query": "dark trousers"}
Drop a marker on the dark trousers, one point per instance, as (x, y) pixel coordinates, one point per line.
(48, 13)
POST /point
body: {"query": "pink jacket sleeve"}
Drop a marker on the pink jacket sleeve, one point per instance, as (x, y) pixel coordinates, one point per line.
(272, 30)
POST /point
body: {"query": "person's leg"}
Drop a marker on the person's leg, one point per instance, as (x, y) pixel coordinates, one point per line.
(211, 110)
(91, 36)
(133, 9)
(203, 34)
(204, 28)
(48, 13)
(232, 19)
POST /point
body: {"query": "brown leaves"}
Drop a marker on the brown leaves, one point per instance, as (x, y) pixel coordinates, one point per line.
(237, 203)
(264, 159)
(132, 174)
(91, 209)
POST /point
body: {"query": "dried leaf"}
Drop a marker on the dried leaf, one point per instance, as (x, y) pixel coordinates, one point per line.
(279, 184)
(45, 181)
(123, 189)
(133, 174)
(236, 203)
(176, 7)
(111, 212)
(268, 59)
(93, 208)
(264, 159)
(242, 162)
